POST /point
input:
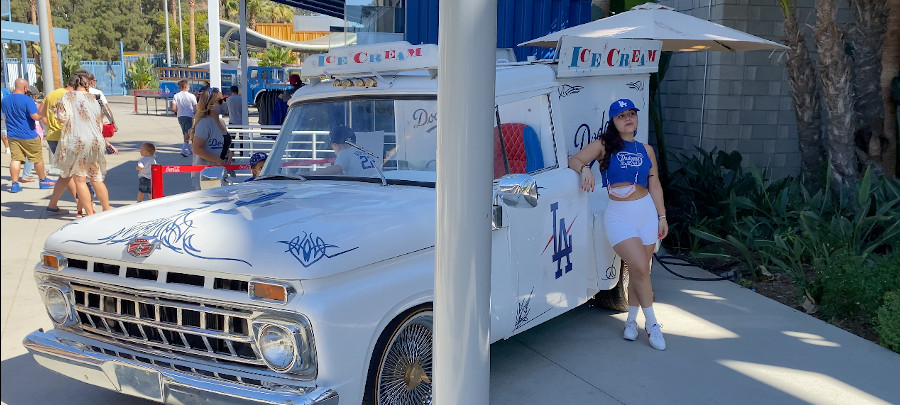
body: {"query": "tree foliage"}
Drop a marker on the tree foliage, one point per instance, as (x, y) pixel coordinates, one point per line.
(96, 26)
(277, 56)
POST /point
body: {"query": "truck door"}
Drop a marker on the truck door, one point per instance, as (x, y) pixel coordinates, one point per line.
(549, 245)
(254, 84)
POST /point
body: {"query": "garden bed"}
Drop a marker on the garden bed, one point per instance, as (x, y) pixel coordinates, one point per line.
(780, 287)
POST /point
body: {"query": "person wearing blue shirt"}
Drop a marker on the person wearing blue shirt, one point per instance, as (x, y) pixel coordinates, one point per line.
(635, 219)
(21, 113)
(3, 93)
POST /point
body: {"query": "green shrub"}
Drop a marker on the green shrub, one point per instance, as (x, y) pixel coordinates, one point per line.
(141, 75)
(887, 321)
(851, 285)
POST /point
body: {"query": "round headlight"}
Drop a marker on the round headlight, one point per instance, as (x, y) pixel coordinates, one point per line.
(57, 304)
(277, 346)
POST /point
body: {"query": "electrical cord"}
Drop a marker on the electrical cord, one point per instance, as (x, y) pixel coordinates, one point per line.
(659, 259)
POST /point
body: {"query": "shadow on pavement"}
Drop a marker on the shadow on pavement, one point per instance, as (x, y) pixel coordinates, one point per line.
(27, 383)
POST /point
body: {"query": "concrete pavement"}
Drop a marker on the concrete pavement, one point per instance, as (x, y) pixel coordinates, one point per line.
(726, 344)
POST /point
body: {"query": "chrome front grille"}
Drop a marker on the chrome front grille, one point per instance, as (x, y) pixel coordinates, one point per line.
(167, 325)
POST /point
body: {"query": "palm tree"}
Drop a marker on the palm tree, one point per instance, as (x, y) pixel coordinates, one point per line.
(229, 8)
(836, 91)
(282, 13)
(277, 56)
(802, 79)
(254, 8)
(193, 46)
(54, 57)
(174, 9)
(871, 25)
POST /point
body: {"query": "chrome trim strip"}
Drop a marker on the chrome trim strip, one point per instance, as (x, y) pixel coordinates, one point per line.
(175, 302)
(168, 326)
(172, 386)
(186, 348)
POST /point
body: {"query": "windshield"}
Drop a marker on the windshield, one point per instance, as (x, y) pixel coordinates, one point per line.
(317, 139)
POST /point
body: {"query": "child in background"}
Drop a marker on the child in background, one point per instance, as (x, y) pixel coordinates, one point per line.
(148, 158)
(256, 164)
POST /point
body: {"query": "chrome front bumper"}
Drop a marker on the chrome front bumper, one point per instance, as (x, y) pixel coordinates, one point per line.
(163, 385)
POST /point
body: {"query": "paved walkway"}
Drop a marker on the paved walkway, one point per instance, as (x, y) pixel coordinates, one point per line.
(727, 345)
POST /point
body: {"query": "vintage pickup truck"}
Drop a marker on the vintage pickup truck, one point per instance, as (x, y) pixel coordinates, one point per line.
(306, 288)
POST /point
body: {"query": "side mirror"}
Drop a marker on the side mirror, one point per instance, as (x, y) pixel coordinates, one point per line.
(212, 177)
(518, 190)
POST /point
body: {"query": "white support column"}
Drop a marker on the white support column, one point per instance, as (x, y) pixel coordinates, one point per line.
(166, 18)
(215, 51)
(244, 86)
(180, 37)
(46, 57)
(462, 283)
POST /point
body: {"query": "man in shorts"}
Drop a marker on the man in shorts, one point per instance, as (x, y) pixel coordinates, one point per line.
(183, 104)
(21, 113)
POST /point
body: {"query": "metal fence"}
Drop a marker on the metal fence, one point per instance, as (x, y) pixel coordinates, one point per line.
(110, 76)
(12, 71)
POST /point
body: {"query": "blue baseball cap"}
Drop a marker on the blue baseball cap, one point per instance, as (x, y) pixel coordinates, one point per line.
(619, 106)
(258, 157)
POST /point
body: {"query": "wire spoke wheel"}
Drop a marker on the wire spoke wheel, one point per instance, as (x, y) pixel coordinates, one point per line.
(405, 372)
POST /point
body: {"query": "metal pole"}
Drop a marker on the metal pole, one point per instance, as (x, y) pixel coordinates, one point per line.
(180, 36)
(245, 120)
(46, 47)
(215, 57)
(462, 281)
(23, 63)
(168, 50)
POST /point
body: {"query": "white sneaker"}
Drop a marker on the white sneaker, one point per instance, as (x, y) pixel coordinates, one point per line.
(654, 333)
(186, 150)
(630, 330)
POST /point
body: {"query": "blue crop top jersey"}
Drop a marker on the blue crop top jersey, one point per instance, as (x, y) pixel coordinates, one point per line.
(632, 159)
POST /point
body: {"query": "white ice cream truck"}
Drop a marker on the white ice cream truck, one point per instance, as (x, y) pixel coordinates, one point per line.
(310, 288)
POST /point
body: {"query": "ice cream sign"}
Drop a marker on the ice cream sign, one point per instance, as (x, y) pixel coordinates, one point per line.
(383, 57)
(603, 56)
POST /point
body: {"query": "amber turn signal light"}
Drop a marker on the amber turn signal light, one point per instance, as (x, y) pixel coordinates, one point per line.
(52, 261)
(268, 291)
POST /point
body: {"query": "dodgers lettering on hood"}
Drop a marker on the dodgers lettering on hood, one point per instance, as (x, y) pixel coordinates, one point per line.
(284, 230)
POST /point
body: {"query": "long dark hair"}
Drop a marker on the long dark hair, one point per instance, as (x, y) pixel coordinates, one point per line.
(612, 143)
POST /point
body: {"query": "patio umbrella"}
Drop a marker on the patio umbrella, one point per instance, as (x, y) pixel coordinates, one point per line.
(677, 31)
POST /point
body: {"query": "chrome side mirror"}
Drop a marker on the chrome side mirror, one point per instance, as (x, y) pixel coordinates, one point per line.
(518, 190)
(212, 177)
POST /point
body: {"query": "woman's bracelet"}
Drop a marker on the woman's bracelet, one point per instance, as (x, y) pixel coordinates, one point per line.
(661, 217)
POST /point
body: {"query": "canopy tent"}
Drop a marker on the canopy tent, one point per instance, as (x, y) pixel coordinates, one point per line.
(677, 31)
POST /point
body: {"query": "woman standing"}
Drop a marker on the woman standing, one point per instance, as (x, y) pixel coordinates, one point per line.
(81, 153)
(208, 132)
(636, 216)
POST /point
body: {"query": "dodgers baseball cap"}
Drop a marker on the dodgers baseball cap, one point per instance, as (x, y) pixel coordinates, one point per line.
(619, 106)
(258, 157)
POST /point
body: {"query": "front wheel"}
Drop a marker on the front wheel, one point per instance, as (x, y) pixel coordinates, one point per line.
(401, 370)
(616, 299)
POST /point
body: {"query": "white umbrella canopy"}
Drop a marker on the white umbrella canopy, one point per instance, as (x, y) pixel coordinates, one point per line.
(677, 31)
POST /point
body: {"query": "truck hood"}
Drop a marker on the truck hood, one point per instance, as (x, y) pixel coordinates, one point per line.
(276, 229)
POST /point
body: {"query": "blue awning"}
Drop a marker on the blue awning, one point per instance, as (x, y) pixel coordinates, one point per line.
(15, 31)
